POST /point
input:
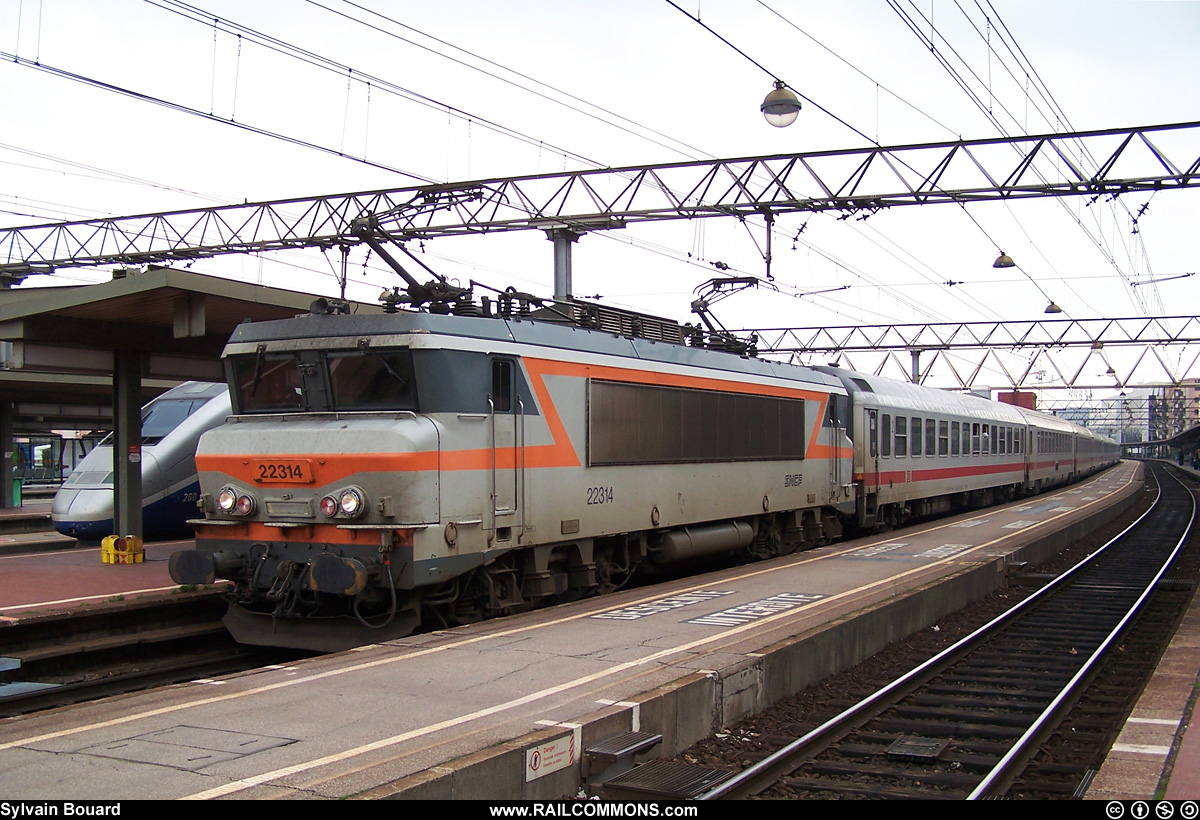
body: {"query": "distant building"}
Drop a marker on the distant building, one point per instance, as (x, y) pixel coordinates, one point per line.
(1022, 398)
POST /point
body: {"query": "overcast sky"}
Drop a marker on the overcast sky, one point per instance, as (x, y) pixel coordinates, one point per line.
(530, 86)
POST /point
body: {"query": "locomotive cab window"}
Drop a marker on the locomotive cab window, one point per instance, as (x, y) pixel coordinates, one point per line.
(502, 390)
(839, 411)
(266, 383)
(372, 380)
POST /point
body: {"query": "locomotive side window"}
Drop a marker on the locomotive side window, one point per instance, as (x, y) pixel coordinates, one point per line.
(372, 380)
(502, 379)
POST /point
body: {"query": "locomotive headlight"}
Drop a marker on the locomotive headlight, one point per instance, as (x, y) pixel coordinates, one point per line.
(352, 502)
(227, 500)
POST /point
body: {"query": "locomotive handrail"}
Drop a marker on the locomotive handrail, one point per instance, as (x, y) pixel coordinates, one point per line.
(492, 492)
(519, 484)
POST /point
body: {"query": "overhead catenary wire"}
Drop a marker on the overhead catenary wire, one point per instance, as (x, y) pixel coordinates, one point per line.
(1056, 118)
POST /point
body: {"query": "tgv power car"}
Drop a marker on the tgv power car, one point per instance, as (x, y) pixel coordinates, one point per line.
(171, 429)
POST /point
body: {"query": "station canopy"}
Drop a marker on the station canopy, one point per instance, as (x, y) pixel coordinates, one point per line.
(58, 344)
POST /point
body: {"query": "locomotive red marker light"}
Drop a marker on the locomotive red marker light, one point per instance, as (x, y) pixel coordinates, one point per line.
(329, 506)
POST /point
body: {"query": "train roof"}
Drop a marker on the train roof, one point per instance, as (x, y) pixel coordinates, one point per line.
(906, 396)
(422, 327)
(196, 390)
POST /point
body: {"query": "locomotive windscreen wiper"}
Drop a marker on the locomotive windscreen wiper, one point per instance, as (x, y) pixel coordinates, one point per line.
(258, 357)
(365, 346)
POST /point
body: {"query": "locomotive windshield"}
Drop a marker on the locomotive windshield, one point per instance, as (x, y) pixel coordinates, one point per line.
(372, 380)
(362, 379)
(266, 384)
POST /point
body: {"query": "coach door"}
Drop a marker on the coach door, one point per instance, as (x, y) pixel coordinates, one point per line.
(871, 473)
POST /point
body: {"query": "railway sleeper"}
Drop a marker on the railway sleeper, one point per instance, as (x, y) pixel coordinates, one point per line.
(974, 745)
(946, 729)
(916, 775)
(997, 716)
(976, 699)
(843, 789)
(953, 755)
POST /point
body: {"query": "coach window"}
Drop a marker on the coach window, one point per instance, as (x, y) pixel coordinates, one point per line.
(994, 442)
(1003, 443)
(901, 436)
(954, 434)
(915, 427)
(885, 436)
(502, 379)
(943, 438)
(966, 438)
(930, 437)
(974, 438)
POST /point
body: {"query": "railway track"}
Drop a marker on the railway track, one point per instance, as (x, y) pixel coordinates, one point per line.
(62, 658)
(966, 723)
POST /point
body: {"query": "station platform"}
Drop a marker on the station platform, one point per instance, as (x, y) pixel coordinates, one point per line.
(28, 528)
(505, 709)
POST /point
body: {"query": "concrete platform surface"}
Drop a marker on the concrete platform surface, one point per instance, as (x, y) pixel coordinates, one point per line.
(503, 709)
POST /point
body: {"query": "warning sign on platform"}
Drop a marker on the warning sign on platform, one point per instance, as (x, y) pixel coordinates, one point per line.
(551, 756)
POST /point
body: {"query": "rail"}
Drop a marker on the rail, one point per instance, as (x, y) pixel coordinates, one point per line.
(1092, 578)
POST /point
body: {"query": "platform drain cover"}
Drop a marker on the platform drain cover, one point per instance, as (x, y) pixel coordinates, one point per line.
(186, 747)
(925, 748)
(665, 779)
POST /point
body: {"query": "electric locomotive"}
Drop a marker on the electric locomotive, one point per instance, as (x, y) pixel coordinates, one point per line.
(383, 470)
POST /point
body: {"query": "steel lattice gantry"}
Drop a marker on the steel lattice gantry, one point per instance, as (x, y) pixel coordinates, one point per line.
(1075, 353)
(1117, 161)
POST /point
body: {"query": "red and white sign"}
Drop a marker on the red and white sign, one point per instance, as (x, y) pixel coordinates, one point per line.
(551, 756)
